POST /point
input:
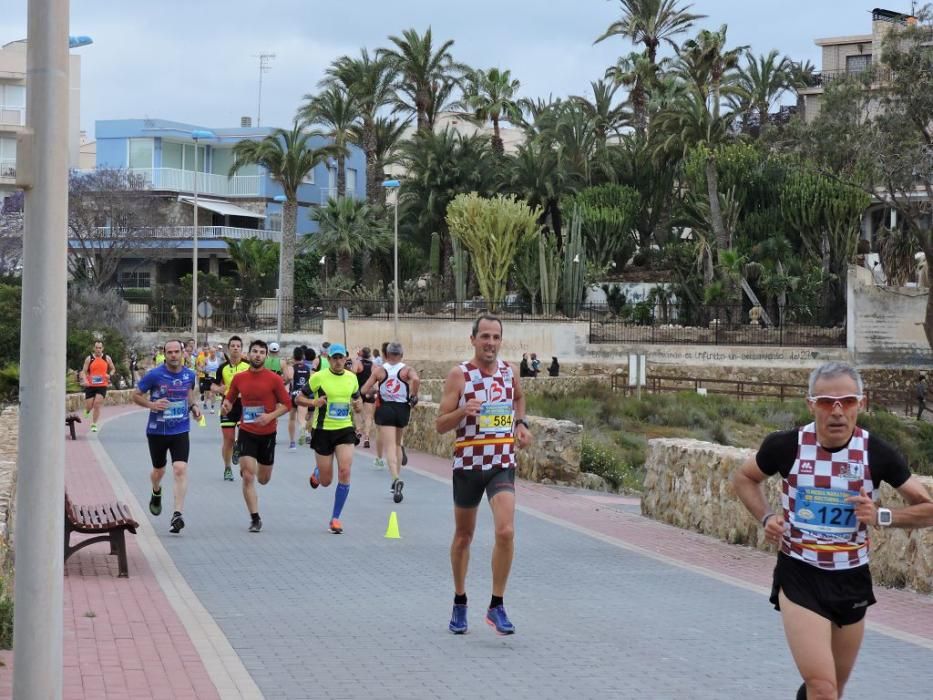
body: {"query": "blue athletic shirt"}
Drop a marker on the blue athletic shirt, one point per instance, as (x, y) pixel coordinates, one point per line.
(174, 386)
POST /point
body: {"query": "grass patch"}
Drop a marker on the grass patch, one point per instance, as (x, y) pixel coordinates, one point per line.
(617, 428)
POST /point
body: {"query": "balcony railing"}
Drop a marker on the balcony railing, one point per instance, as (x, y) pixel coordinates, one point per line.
(204, 233)
(8, 168)
(823, 78)
(12, 116)
(331, 193)
(176, 180)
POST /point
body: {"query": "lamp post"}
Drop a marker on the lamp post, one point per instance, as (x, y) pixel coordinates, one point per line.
(43, 156)
(281, 199)
(394, 185)
(197, 135)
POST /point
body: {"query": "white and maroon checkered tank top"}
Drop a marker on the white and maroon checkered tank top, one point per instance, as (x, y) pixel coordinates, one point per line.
(486, 441)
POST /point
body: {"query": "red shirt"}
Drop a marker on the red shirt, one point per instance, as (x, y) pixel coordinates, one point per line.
(259, 392)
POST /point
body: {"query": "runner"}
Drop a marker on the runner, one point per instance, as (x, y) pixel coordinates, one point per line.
(228, 420)
(483, 401)
(210, 362)
(332, 391)
(273, 361)
(298, 375)
(95, 378)
(264, 399)
(364, 369)
(397, 394)
(171, 389)
(831, 471)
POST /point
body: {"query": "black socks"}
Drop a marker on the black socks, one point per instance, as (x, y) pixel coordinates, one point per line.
(254, 516)
(460, 599)
(802, 692)
(495, 601)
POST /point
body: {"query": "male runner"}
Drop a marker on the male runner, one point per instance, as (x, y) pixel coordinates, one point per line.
(171, 394)
(397, 394)
(364, 368)
(273, 361)
(298, 375)
(483, 401)
(264, 399)
(95, 378)
(209, 362)
(332, 391)
(831, 471)
(228, 420)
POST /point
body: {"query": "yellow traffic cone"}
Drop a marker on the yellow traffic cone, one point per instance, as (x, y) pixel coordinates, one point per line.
(392, 530)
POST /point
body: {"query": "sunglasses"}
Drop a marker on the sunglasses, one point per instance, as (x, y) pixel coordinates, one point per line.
(828, 403)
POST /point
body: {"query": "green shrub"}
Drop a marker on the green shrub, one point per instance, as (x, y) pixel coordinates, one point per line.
(80, 344)
(10, 307)
(6, 617)
(9, 384)
(604, 461)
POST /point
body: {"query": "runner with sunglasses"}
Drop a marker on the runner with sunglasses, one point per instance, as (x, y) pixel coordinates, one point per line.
(831, 472)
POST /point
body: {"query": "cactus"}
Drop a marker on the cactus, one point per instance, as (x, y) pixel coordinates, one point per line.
(574, 267)
(435, 254)
(459, 263)
(549, 262)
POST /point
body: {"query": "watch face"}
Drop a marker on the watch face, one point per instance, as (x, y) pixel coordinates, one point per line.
(884, 517)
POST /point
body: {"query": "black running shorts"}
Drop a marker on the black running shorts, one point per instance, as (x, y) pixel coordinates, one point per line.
(842, 597)
(471, 484)
(325, 442)
(159, 445)
(259, 447)
(205, 384)
(393, 414)
(229, 420)
(91, 392)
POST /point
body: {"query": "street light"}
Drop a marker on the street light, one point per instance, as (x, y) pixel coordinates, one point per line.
(281, 199)
(196, 134)
(394, 185)
(75, 42)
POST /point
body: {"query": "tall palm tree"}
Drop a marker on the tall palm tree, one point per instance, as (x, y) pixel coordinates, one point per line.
(759, 84)
(388, 134)
(651, 22)
(490, 96)
(256, 262)
(607, 119)
(336, 110)
(288, 157)
(423, 72)
(347, 228)
(639, 75)
(371, 82)
(709, 66)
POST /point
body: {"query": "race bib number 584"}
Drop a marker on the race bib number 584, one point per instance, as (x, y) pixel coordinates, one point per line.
(495, 418)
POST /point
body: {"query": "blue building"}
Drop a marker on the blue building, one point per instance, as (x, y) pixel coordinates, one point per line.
(165, 153)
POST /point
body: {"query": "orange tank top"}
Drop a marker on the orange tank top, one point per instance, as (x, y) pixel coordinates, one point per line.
(97, 372)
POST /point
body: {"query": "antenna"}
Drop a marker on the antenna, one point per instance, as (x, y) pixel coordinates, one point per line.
(265, 60)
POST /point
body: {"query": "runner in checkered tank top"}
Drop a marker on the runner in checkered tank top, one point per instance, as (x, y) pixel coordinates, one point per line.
(831, 471)
(483, 402)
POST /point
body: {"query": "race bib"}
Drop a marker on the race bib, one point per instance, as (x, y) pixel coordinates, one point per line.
(176, 410)
(251, 413)
(338, 411)
(825, 511)
(97, 379)
(495, 417)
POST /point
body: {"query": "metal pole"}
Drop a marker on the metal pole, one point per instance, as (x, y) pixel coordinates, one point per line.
(278, 300)
(41, 481)
(194, 253)
(395, 256)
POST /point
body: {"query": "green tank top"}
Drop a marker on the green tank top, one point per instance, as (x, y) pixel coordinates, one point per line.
(340, 389)
(275, 364)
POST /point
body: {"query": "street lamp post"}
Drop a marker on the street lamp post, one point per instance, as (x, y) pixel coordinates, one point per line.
(281, 199)
(197, 135)
(394, 185)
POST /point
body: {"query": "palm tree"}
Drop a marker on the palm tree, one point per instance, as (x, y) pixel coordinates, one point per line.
(539, 174)
(639, 75)
(371, 82)
(759, 84)
(424, 73)
(388, 133)
(490, 96)
(708, 66)
(336, 110)
(288, 157)
(651, 22)
(347, 228)
(607, 119)
(256, 262)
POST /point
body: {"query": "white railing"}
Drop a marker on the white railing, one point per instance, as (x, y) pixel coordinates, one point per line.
(204, 233)
(331, 193)
(177, 180)
(15, 116)
(8, 168)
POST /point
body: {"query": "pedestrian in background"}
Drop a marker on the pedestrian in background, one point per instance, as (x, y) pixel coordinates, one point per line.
(921, 391)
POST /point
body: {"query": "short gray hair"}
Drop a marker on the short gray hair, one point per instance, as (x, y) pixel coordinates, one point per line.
(831, 370)
(394, 348)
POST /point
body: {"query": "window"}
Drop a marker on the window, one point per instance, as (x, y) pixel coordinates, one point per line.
(137, 279)
(13, 96)
(858, 64)
(7, 150)
(140, 153)
(274, 221)
(171, 155)
(188, 157)
(309, 178)
(351, 181)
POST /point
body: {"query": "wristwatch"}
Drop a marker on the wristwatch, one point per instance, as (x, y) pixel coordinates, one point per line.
(885, 517)
(522, 421)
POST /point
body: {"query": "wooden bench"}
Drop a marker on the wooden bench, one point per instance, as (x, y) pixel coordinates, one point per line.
(108, 521)
(70, 421)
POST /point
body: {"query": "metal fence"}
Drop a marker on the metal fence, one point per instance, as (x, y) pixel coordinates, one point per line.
(233, 316)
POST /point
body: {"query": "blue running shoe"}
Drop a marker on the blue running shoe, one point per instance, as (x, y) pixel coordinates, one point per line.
(458, 619)
(496, 617)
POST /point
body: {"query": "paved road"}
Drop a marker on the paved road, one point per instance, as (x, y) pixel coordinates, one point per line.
(314, 615)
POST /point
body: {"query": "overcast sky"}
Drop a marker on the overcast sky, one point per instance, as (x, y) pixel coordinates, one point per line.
(195, 61)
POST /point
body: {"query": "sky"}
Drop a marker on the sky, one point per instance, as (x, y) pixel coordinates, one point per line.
(196, 61)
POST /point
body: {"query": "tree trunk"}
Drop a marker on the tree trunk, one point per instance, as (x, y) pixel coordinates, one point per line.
(639, 108)
(287, 252)
(723, 240)
(345, 265)
(341, 177)
(497, 146)
(373, 184)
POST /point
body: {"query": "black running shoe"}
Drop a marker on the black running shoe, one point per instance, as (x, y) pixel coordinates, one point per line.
(404, 456)
(228, 474)
(236, 453)
(178, 523)
(255, 525)
(155, 503)
(397, 487)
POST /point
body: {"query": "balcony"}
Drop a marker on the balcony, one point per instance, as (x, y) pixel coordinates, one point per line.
(7, 169)
(823, 78)
(204, 233)
(175, 180)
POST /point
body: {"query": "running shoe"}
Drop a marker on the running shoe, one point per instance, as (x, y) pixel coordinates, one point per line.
(155, 503)
(397, 487)
(255, 525)
(379, 463)
(335, 526)
(291, 446)
(301, 439)
(93, 427)
(496, 617)
(178, 523)
(315, 478)
(228, 474)
(404, 456)
(87, 412)
(236, 452)
(212, 409)
(458, 619)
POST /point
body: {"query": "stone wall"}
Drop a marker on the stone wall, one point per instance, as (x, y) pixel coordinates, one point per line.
(687, 484)
(553, 458)
(74, 403)
(431, 389)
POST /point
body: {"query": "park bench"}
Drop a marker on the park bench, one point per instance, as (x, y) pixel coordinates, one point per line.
(70, 421)
(108, 521)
